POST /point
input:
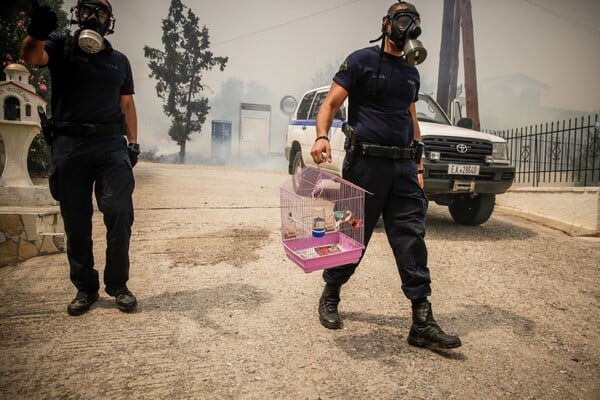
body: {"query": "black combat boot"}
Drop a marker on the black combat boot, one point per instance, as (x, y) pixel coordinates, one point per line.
(82, 302)
(328, 312)
(425, 332)
(124, 299)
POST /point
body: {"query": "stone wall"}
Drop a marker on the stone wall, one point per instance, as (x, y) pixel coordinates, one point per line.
(27, 233)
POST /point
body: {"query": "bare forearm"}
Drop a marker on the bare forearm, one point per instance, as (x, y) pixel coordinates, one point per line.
(32, 51)
(128, 109)
(324, 120)
(131, 118)
(417, 128)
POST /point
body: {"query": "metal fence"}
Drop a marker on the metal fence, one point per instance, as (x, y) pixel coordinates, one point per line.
(563, 153)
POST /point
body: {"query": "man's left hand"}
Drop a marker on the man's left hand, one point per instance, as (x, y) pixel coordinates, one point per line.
(134, 152)
(43, 21)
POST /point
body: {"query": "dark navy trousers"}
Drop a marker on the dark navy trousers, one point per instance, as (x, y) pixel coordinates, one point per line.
(81, 167)
(398, 198)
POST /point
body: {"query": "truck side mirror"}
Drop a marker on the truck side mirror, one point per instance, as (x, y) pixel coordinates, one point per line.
(465, 123)
(455, 111)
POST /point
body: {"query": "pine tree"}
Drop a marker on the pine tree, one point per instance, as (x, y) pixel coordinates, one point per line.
(178, 69)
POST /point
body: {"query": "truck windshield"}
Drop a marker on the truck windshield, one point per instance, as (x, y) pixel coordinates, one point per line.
(429, 111)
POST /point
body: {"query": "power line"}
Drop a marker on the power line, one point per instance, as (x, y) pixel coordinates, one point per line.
(579, 24)
(285, 23)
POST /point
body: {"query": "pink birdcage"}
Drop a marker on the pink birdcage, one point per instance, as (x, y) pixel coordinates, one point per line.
(321, 220)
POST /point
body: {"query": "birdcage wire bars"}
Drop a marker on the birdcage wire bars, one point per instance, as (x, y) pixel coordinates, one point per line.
(322, 219)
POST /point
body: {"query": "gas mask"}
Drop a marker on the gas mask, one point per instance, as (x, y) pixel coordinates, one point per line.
(406, 27)
(95, 20)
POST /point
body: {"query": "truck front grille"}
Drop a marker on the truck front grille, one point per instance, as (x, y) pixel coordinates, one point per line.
(476, 150)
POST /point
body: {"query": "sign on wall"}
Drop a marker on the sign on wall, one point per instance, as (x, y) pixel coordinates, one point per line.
(255, 129)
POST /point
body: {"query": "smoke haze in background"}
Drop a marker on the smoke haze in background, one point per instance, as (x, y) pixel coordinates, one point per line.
(537, 60)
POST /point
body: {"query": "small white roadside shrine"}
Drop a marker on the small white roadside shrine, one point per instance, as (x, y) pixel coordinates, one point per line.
(30, 221)
(19, 124)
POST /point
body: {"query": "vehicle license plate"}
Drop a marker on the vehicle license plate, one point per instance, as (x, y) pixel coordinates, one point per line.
(463, 169)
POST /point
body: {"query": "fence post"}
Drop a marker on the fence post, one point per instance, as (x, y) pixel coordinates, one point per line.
(536, 168)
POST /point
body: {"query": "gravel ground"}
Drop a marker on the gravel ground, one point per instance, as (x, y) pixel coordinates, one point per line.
(223, 314)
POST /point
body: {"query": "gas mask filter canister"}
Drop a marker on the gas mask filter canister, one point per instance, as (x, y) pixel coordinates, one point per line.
(406, 27)
(94, 19)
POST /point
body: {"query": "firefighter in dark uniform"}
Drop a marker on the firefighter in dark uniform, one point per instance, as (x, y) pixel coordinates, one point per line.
(382, 85)
(94, 143)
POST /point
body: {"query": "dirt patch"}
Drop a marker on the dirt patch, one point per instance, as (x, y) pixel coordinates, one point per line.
(236, 247)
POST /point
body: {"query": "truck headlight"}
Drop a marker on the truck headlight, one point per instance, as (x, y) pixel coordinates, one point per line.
(499, 153)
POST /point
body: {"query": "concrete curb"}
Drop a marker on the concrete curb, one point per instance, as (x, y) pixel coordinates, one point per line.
(575, 211)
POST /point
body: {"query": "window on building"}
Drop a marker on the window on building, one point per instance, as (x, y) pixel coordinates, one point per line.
(12, 109)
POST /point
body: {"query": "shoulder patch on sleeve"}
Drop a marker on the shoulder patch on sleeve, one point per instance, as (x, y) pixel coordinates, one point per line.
(344, 66)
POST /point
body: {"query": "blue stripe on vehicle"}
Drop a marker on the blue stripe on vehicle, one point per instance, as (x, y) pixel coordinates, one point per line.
(337, 123)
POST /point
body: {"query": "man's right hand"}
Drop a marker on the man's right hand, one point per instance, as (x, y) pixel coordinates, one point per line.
(321, 151)
(43, 21)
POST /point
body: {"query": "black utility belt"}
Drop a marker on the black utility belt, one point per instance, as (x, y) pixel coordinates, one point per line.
(74, 129)
(393, 152)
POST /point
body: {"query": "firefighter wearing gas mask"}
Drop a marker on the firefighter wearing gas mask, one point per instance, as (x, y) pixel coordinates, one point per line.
(93, 138)
(381, 84)
(95, 20)
(403, 27)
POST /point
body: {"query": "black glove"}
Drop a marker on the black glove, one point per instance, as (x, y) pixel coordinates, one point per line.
(43, 21)
(134, 152)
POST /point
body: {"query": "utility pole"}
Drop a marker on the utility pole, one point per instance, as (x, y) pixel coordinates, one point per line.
(468, 43)
(458, 17)
(448, 68)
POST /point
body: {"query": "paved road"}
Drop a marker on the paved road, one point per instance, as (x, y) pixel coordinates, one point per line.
(224, 315)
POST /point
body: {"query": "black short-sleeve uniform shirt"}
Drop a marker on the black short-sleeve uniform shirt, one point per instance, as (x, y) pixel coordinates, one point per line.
(87, 88)
(378, 106)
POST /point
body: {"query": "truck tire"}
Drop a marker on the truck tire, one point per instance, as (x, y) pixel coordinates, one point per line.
(300, 185)
(472, 211)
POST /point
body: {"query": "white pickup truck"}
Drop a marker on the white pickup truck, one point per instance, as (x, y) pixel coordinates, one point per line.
(464, 169)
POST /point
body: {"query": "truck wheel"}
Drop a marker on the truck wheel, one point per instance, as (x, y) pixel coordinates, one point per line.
(297, 165)
(467, 210)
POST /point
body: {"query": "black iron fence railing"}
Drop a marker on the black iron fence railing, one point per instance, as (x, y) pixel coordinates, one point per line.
(563, 153)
